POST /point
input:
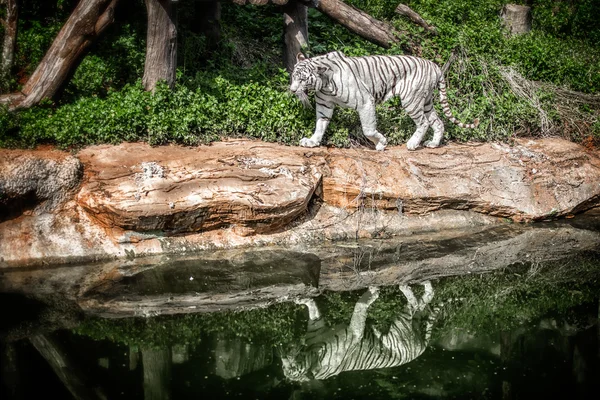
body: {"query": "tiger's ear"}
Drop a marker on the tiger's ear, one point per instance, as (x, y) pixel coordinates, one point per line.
(300, 57)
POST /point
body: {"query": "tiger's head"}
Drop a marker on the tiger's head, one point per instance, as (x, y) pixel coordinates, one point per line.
(306, 76)
(296, 362)
(295, 370)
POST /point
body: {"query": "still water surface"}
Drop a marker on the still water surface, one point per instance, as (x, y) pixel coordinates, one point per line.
(526, 330)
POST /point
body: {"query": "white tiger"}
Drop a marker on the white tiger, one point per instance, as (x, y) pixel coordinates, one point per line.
(329, 351)
(363, 82)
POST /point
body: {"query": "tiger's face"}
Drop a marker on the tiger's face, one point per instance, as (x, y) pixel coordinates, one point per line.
(295, 371)
(304, 79)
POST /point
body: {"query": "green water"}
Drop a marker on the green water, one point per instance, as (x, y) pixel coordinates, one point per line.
(524, 331)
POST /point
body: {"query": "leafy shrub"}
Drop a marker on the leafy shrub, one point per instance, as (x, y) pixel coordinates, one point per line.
(562, 19)
(116, 60)
(560, 61)
(237, 88)
(181, 115)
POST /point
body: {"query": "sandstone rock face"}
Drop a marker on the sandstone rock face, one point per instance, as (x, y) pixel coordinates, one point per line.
(261, 188)
(251, 186)
(138, 200)
(531, 180)
(29, 178)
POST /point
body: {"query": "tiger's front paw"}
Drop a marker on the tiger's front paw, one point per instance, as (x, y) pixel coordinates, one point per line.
(304, 301)
(381, 145)
(306, 142)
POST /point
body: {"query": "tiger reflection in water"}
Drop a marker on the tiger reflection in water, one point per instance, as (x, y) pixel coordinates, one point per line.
(328, 351)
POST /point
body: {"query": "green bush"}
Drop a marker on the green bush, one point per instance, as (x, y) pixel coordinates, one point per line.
(217, 108)
(117, 59)
(567, 62)
(578, 19)
(238, 89)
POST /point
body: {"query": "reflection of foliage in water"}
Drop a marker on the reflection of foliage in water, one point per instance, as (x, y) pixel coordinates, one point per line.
(276, 324)
(490, 302)
(502, 300)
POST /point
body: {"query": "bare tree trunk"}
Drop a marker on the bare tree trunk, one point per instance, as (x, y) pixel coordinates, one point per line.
(357, 21)
(161, 45)
(295, 32)
(69, 374)
(88, 20)
(517, 18)
(134, 358)
(10, 37)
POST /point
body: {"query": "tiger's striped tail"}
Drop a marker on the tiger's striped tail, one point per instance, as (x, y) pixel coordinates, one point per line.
(446, 107)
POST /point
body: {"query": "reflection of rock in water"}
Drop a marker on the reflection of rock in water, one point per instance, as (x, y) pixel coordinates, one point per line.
(236, 357)
(327, 352)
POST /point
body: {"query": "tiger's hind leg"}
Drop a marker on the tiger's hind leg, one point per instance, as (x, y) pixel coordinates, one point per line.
(418, 116)
(438, 129)
(368, 121)
(415, 304)
(427, 295)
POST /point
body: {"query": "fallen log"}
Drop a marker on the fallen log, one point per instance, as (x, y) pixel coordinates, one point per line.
(357, 21)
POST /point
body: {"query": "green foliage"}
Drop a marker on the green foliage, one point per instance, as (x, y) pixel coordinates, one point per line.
(8, 128)
(541, 56)
(218, 107)
(573, 18)
(33, 41)
(115, 61)
(236, 88)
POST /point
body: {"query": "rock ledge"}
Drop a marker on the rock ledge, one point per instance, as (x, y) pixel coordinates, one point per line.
(135, 199)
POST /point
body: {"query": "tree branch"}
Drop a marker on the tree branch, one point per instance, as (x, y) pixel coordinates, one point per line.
(405, 10)
(69, 373)
(107, 17)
